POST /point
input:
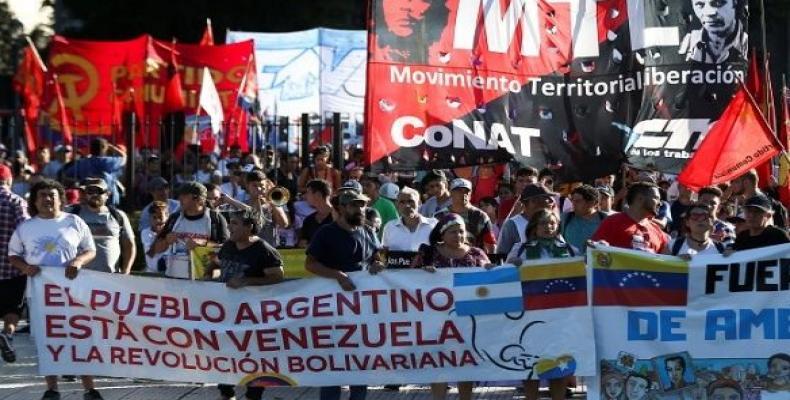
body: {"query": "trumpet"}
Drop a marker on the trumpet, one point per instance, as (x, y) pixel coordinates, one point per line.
(278, 196)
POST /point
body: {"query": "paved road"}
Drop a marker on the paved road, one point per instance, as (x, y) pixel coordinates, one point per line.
(20, 381)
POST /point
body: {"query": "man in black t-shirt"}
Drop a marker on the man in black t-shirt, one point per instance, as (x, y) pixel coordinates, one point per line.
(247, 260)
(346, 245)
(317, 193)
(758, 211)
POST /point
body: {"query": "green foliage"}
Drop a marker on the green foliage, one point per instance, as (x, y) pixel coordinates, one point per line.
(11, 35)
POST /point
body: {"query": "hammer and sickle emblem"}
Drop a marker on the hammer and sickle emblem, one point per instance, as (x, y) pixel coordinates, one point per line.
(71, 96)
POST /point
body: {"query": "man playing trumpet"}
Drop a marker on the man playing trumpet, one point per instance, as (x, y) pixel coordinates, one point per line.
(265, 202)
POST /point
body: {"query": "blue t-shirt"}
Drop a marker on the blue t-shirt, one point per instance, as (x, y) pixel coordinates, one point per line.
(339, 249)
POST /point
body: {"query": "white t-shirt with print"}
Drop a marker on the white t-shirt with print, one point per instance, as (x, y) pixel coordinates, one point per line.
(51, 242)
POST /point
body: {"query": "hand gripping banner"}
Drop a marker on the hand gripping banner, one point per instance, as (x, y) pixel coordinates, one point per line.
(579, 85)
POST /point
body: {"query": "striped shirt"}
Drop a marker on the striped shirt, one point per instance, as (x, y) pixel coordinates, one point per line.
(13, 210)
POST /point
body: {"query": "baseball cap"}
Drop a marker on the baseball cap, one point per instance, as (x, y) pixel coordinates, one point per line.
(193, 188)
(461, 183)
(157, 183)
(534, 190)
(5, 172)
(94, 182)
(605, 190)
(389, 190)
(435, 174)
(349, 196)
(352, 184)
(759, 201)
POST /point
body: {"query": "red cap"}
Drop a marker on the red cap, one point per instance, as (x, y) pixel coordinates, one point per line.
(5, 172)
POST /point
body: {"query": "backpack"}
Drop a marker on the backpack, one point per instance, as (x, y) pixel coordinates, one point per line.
(681, 239)
(114, 212)
(216, 235)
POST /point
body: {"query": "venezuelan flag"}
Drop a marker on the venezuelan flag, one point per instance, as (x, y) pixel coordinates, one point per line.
(559, 284)
(624, 279)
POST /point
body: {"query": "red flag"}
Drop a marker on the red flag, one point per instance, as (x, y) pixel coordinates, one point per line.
(784, 139)
(739, 141)
(754, 79)
(60, 113)
(757, 84)
(208, 35)
(29, 83)
(174, 96)
(90, 72)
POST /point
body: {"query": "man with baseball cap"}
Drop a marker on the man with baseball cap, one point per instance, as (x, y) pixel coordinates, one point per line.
(112, 233)
(758, 212)
(343, 246)
(13, 210)
(160, 191)
(533, 198)
(193, 226)
(479, 229)
(435, 185)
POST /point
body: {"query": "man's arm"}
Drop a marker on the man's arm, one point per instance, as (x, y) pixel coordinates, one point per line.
(279, 217)
(507, 237)
(128, 253)
(19, 263)
(117, 151)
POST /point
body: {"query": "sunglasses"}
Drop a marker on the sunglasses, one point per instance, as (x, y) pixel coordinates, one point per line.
(93, 191)
(699, 216)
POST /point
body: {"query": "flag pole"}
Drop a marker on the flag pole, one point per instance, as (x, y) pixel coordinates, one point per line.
(764, 44)
(35, 53)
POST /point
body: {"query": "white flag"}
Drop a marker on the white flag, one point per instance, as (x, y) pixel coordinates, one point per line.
(210, 102)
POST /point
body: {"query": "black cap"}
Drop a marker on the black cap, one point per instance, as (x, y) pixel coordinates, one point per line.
(434, 175)
(534, 190)
(157, 183)
(193, 188)
(759, 201)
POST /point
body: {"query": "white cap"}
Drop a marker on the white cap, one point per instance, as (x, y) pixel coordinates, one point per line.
(460, 183)
(389, 190)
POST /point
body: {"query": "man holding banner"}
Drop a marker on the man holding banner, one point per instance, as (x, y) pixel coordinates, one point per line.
(247, 260)
(343, 246)
(50, 239)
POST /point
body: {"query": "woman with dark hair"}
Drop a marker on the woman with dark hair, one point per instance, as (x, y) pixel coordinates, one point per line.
(52, 238)
(543, 241)
(247, 260)
(321, 169)
(447, 249)
(406, 29)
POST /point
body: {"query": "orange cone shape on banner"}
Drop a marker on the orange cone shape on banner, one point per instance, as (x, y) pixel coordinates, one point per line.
(739, 141)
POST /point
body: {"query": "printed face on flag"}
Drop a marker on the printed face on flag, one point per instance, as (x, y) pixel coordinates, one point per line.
(473, 82)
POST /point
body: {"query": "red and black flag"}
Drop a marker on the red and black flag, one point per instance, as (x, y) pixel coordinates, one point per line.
(578, 86)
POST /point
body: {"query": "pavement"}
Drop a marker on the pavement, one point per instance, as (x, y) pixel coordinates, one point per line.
(20, 381)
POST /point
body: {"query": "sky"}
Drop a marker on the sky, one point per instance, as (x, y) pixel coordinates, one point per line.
(28, 12)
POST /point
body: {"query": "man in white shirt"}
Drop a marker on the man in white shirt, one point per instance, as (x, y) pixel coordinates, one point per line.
(411, 230)
(534, 197)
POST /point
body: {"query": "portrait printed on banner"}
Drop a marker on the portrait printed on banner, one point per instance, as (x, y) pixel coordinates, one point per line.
(717, 32)
(675, 371)
(407, 29)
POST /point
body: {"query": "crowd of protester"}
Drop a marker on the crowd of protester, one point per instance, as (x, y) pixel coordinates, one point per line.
(65, 211)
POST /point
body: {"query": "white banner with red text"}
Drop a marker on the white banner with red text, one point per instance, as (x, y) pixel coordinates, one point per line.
(459, 324)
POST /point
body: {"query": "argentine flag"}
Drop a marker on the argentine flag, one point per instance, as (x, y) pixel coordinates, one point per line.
(495, 291)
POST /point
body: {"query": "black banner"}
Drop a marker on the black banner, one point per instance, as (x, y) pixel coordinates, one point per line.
(578, 85)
